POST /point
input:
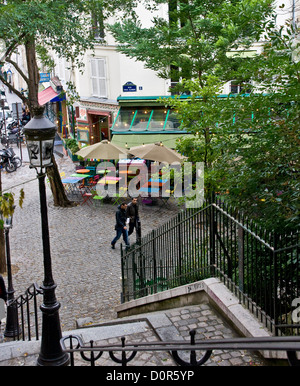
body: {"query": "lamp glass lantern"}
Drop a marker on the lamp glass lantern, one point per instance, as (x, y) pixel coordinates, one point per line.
(7, 220)
(40, 134)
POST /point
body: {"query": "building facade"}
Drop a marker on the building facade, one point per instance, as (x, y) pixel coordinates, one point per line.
(111, 83)
(118, 98)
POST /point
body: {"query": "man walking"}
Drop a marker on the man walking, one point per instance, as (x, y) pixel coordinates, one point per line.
(132, 213)
(121, 225)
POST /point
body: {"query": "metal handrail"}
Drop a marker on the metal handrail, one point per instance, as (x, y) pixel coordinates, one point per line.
(21, 302)
(91, 352)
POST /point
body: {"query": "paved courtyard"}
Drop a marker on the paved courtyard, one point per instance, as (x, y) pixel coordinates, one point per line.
(88, 276)
(85, 268)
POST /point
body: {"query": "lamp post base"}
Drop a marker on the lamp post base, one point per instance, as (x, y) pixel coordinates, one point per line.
(51, 353)
(64, 360)
(12, 328)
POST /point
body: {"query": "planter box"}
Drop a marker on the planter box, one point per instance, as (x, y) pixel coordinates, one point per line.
(73, 157)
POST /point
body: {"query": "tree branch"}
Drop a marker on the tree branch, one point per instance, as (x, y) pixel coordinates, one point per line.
(18, 93)
(9, 60)
(13, 46)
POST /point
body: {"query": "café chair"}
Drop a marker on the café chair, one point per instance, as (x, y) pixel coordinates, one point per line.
(118, 196)
(98, 200)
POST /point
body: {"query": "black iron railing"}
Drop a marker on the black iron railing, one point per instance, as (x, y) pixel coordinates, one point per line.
(28, 317)
(260, 268)
(184, 353)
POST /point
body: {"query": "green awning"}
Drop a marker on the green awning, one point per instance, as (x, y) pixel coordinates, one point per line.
(131, 140)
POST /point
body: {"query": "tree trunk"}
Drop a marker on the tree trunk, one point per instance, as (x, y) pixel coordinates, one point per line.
(33, 74)
(2, 243)
(57, 188)
(59, 194)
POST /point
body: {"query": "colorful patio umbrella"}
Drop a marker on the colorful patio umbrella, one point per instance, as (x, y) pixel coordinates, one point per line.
(102, 150)
(157, 152)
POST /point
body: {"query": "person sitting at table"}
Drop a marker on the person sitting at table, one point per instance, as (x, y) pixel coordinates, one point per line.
(120, 226)
(132, 213)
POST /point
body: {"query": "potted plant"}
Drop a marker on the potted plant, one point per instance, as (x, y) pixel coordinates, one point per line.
(72, 148)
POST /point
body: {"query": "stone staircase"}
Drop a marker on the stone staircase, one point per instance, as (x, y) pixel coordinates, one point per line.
(171, 323)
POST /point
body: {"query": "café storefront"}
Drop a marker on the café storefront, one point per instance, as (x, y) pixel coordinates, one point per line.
(94, 120)
(143, 120)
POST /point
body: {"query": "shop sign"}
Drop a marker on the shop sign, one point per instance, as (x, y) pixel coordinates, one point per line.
(82, 114)
(44, 77)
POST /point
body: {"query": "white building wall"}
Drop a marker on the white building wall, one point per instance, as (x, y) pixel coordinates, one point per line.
(121, 69)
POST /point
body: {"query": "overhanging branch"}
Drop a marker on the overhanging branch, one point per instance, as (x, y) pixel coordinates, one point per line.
(18, 93)
(12, 47)
(9, 60)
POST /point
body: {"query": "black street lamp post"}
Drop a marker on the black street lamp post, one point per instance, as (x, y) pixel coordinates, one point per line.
(40, 133)
(12, 326)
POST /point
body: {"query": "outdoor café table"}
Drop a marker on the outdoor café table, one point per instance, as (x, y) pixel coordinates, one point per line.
(109, 180)
(71, 184)
(81, 175)
(83, 171)
(103, 171)
(155, 183)
(84, 176)
(149, 190)
(127, 172)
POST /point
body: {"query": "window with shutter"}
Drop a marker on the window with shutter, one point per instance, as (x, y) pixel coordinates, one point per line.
(98, 77)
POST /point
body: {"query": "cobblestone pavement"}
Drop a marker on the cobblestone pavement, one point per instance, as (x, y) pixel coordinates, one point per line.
(167, 325)
(87, 271)
(180, 322)
(85, 268)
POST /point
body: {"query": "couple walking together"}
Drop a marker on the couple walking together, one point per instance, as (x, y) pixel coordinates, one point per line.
(124, 212)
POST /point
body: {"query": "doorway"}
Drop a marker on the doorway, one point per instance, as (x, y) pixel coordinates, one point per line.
(99, 127)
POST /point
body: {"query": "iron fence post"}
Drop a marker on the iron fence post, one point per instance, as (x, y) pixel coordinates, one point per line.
(138, 231)
(179, 248)
(275, 283)
(154, 266)
(212, 240)
(123, 277)
(241, 257)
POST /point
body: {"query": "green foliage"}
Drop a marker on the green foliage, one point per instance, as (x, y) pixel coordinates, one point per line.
(72, 144)
(194, 42)
(261, 160)
(64, 27)
(248, 143)
(7, 204)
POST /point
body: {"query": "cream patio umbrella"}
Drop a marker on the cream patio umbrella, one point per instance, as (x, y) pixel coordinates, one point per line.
(102, 150)
(157, 152)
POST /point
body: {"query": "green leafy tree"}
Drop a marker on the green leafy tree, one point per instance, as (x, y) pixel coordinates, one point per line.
(261, 162)
(248, 142)
(191, 48)
(64, 27)
(193, 42)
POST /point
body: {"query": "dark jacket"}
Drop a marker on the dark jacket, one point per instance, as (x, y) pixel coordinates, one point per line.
(120, 218)
(132, 212)
(3, 293)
